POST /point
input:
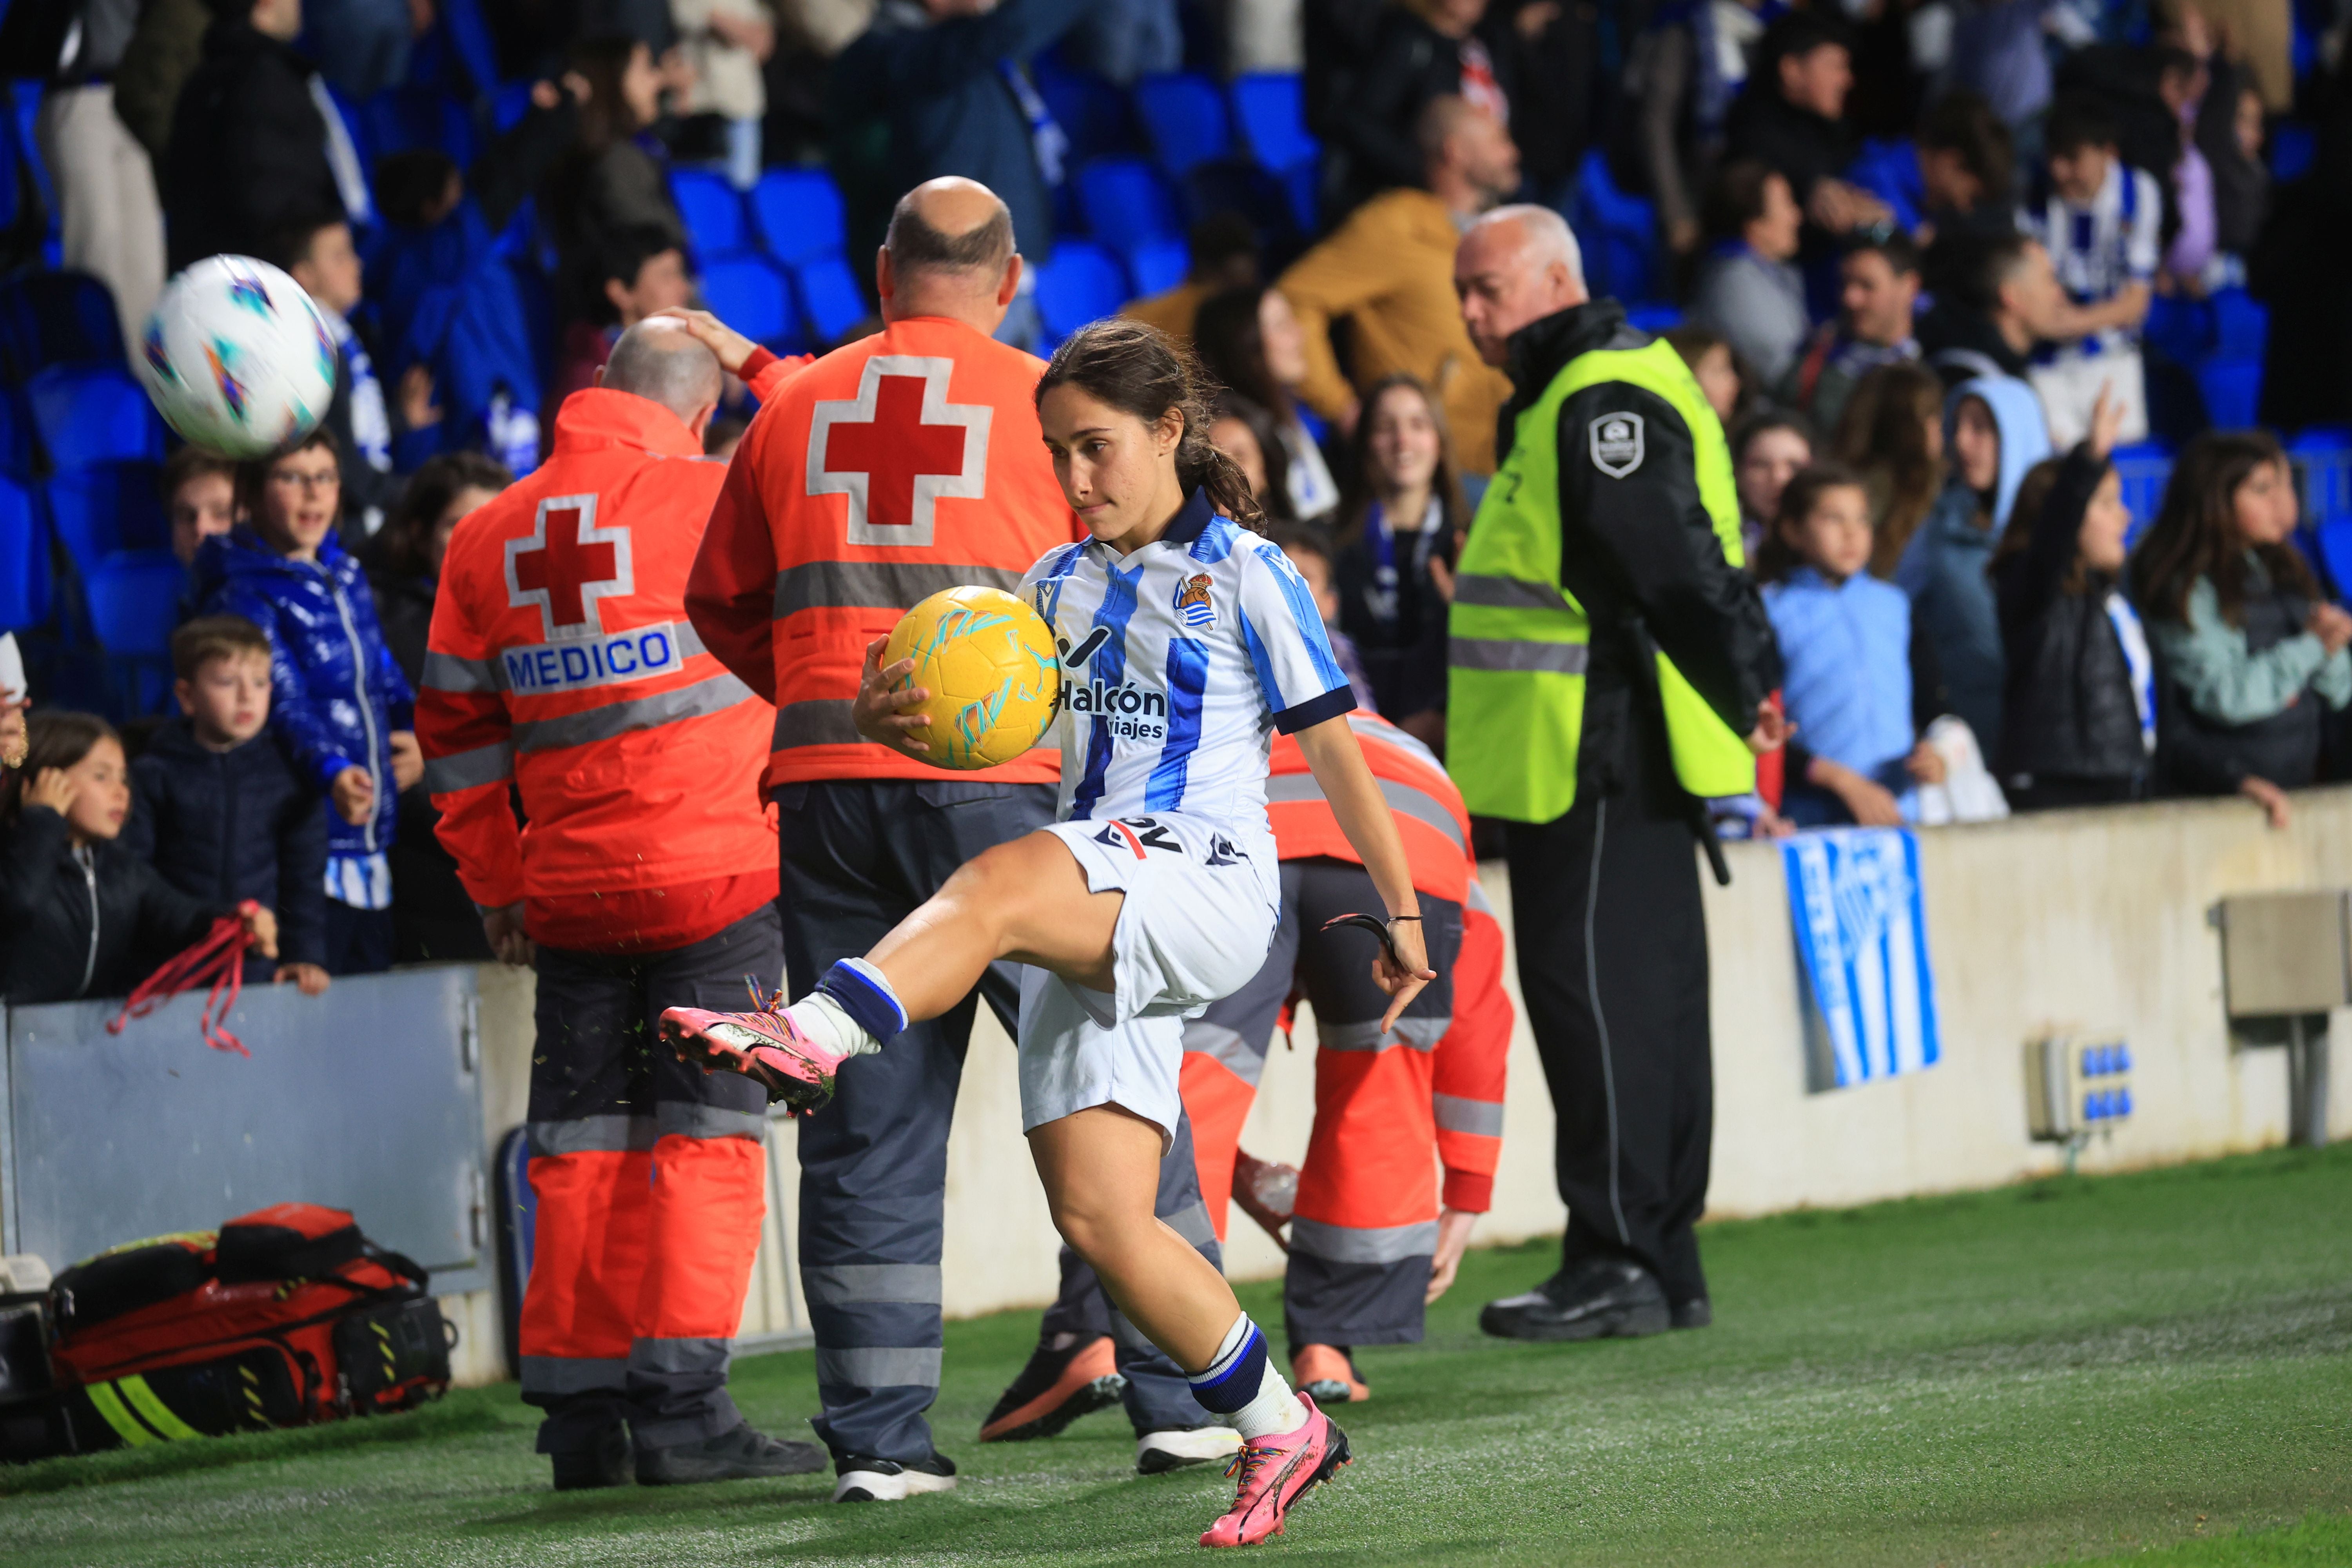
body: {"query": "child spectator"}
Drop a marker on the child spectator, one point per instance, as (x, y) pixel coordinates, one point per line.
(221, 810)
(442, 494)
(318, 253)
(2241, 631)
(1965, 165)
(1767, 450)
(639, 270)
(1399, 529)
(1302, 545)
(2078, 714)
(337, 697)
(1750, 292)
(199, 499)
(2101, 220)
(1713, 367)
(1847, 642)
(1249, 339)
(1993, 431)
(80, 915)
(1892, 434)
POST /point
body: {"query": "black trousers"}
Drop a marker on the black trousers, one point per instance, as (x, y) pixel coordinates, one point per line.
(1612, 963)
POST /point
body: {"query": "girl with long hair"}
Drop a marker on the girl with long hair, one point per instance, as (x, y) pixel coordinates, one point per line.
(1187, 640)
(1892, 434)
(2241, 632)
(1399, 529)
(1251, 343)
(83, 916)
(613, 179)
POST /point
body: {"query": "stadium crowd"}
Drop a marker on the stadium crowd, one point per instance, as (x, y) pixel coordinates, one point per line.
(1939, 269)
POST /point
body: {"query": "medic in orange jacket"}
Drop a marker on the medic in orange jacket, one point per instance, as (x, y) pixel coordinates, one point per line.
(561, 663)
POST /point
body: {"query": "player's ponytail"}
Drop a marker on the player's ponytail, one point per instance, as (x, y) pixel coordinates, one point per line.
(1139, 369)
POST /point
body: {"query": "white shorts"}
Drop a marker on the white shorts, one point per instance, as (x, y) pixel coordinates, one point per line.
(1200, 908)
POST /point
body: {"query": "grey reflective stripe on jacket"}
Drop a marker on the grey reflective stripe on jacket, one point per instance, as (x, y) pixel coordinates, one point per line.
(1417, 803)
(877, 584)
(712, 694)
(464, 770)
(1514, 654)
(819, 722)
(1507, 594)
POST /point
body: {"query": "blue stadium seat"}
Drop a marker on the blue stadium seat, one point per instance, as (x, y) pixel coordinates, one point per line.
(15, 433)
(751, 295)
(830, 301)
(407, 118)
(134, 601)
(93, 413)
(1271, 108)
(24, 561)
(2293, 149)
(1126, 202)
(58, 318)
(1619, 234)
(1158, 265)
(799, 214)
(2325, 455)
(2179, 328)
(1655, 319)
(2144, 468)
(1096, 116)
(1083, 283)
(2232, 389)
(713, 211)
(1185, 117)
(2242, 325)
(107, 507)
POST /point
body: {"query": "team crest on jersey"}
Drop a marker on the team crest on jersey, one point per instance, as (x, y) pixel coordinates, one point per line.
(1193, 602)
(1616, 444)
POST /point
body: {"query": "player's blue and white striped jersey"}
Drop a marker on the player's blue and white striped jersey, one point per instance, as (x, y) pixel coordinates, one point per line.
(1178, 664)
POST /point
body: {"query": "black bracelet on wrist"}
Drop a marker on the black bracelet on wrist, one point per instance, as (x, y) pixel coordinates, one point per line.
(1393, 919)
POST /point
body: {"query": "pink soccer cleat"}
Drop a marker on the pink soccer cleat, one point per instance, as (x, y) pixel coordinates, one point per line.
(1276, 1472)
(765, 1046)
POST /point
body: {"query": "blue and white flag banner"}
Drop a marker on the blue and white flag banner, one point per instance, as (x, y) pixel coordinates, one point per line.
(1861, 942)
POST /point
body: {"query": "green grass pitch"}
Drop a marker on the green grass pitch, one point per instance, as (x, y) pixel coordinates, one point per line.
(2153, 1368)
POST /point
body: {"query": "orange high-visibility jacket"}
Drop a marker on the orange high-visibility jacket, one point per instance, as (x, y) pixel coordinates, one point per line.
(562, 659)
(905, 463)
(1468, 1071)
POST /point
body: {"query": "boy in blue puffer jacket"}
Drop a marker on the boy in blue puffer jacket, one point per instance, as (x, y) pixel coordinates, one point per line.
(337, 697)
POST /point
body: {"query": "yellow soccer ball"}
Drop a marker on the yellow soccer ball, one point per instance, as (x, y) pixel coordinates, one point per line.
(988, 661)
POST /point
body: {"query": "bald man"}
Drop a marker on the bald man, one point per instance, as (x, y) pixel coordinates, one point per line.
(561, 664)
(888, 470)
(1610, 666)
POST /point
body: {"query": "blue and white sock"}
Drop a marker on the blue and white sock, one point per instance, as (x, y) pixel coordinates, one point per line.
(1241, 1385)
(852, 1009)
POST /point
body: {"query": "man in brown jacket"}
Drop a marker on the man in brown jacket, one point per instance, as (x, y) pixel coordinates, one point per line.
(1389, 269)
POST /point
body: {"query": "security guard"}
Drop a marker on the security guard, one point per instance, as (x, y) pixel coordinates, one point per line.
(561, 664)
(1610, 669)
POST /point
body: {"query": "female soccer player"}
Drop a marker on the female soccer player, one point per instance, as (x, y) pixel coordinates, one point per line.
(1185, 642)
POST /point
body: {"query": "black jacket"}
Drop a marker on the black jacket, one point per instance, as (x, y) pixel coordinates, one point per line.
(89, 922)
(249, 147)
(1800, 145)
(2068, 711)
(227, 825)
(1638, 550)
(1375, 126)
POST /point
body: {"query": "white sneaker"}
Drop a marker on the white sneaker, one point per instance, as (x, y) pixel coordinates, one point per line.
(886, 1481)
(1157, 1453)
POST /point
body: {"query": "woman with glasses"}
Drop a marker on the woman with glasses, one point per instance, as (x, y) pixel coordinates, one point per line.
(337, 697)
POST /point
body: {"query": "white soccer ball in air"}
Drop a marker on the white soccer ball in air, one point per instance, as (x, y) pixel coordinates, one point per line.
(237, 358)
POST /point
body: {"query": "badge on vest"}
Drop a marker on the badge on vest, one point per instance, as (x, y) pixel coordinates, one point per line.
(1616, 441)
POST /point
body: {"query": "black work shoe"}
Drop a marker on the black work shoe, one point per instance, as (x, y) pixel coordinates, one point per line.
(605, 1465)
(864, 1478)
(1695, 1313)
(1055, 1389)
(1605, 1299)
(742, 1454)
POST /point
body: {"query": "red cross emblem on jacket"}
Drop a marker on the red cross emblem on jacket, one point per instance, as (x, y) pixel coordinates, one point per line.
(565, 565)
(897, 448)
